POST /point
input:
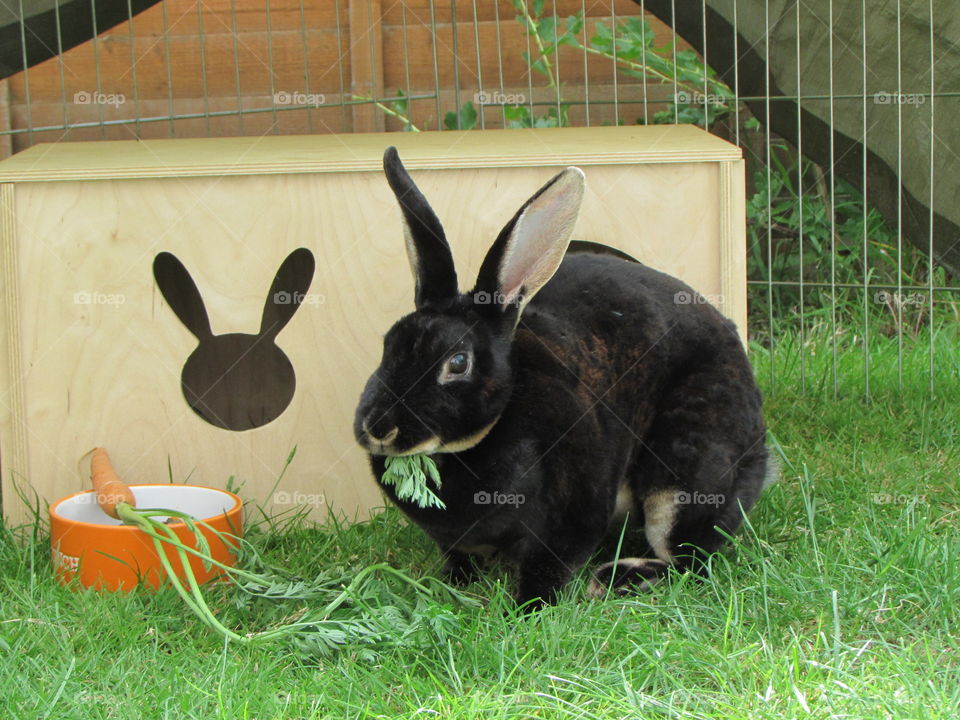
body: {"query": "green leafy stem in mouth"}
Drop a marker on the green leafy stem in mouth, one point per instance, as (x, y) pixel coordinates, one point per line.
(408, 474)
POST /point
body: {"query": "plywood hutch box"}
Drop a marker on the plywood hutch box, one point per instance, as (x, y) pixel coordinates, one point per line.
(94, 347)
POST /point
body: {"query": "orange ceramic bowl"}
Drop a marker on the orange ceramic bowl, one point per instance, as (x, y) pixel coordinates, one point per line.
(101, 552)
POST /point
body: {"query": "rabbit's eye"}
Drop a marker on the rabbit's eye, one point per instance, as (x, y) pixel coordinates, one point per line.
(457, 366)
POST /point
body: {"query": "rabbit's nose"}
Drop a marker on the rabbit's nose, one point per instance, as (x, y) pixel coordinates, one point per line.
(382, 441)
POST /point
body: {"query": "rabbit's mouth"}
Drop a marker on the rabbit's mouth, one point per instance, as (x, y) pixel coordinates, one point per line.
(431, 446)
(434, 445)
(378, 447)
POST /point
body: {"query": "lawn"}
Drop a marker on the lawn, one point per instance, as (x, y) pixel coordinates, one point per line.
(839, 598)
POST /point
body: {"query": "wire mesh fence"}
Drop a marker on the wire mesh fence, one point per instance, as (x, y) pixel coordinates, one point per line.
(846, 111)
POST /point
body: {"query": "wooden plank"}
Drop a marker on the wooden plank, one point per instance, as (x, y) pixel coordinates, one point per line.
(733, 231)
(251, 16)
(324, 119)
(624, 145)
(328, 118)
(220, 58)
(418, 11)
(510, 63)
(225, 57)
(366, 62)
(602, 109)
(223, 54)
(14, 456)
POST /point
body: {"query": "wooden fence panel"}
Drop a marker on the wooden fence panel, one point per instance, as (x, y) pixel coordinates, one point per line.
(215, 59)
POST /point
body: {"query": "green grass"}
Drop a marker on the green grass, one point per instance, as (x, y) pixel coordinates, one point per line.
(839, 599)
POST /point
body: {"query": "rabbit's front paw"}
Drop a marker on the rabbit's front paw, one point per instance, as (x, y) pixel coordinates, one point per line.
(540, 581)
(459, 568)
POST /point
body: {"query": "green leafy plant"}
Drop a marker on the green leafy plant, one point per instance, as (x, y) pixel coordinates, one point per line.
(408, 474)
(463, 119)
(398, 107)
(798, 232)
(520, 116)
(700, 97)
(368, 610)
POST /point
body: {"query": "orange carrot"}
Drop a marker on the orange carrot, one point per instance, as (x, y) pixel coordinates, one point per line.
(107, 486)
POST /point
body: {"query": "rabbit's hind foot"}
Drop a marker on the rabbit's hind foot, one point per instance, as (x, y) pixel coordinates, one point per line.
(626, 575)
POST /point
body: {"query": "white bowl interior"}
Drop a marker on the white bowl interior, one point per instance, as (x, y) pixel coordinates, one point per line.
(200, 502)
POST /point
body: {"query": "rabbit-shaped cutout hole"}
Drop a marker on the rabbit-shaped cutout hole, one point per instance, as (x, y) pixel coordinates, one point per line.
(237, 381)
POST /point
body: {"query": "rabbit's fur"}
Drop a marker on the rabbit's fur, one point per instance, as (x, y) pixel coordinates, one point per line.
(603, 395)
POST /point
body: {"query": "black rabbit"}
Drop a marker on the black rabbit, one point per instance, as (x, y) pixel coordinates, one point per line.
(237, 381)
(566, 388)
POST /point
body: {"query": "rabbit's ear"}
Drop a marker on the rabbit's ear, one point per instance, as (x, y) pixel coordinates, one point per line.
(430, 258)
(531, 246)
(287, 291)
(181, 294)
